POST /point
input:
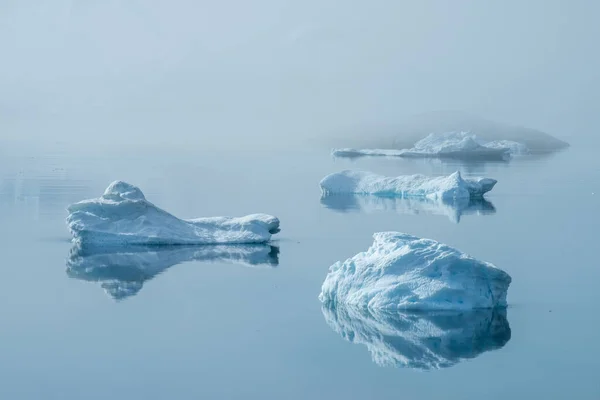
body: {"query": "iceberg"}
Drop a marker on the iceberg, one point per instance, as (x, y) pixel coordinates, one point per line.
(123, 216)
(405, 272)
(408, 186)
(453, 209)
(122, 271)
(454, 145)
(421, 341)
(404, 133)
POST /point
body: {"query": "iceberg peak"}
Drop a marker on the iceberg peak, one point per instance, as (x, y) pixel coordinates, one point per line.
(120, 191)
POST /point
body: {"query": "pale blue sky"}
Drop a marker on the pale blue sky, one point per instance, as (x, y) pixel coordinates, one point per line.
(202, 71)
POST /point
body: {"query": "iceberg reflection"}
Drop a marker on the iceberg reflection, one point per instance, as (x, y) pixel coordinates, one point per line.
(122, 271)
(454, 210)
(423, 341)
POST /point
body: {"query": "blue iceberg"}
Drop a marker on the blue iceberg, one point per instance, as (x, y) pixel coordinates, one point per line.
(405, 272)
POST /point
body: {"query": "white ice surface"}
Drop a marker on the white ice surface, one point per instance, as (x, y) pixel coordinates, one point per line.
(461, 145)
(404, 272)
(442, 187)
(422, 341)
(122, 215)
(122, 271)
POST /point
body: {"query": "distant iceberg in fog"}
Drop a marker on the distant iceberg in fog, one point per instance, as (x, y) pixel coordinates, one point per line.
(407, 186)
(123, 216)
(122, 271)
(404, 272)
(403, 134)
(453, 209)
(455, 145)
(422, 341)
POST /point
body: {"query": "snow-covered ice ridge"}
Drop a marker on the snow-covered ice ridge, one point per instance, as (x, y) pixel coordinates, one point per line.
(422, 341)
(461, 145)
(122, 271)
(123, 216)
(406, 186)
(405, 272)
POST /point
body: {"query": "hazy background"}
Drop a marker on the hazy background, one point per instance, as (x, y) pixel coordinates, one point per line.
(275, 72)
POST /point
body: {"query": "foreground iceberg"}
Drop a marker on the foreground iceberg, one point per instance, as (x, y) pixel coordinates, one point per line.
(123, 216)
(122, 271)
(407, 186)
(453, 209)
(422, 341)
(455, 145)
(404, 272)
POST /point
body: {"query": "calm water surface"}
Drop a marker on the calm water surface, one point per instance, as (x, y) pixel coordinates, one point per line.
(187, 324)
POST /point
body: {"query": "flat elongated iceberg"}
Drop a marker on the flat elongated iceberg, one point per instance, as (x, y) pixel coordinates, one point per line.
(122, 271)
(406, 186)
(421, 341)
(404, 272)
(123, 216)
(456, 145)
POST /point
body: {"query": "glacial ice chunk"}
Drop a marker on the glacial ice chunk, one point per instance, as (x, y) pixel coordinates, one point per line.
(422, 341)
(407, 186)
(123, 216)
(122, 271)
(453, 209)
(456, 145)
(404, 272)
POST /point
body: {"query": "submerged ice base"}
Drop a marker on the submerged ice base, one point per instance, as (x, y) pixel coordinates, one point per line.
(416, 186)
(457, 145)
(421, 341)
(453, 209)
(123, 216)
(122, 271)
(404, 272)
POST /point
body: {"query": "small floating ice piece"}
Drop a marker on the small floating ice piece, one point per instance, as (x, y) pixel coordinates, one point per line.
(407, 186)
(422, 341)
(404, 272)
(122, 215)
(122, 271)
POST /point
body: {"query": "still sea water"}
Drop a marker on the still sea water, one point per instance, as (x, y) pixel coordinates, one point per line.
(215, 329)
